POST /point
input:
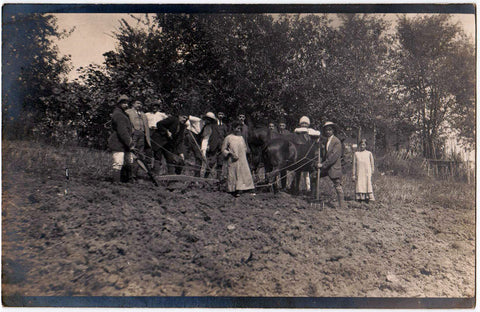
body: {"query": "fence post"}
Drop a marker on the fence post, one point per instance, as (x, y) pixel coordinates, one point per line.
(468, 172)
(452, 171)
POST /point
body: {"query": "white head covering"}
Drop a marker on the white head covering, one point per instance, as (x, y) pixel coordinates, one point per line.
(304, 119)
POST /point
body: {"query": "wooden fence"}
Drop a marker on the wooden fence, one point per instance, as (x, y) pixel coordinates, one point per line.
(450, 169)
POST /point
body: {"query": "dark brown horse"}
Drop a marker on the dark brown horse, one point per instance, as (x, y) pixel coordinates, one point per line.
(288, 154)
(257, 141)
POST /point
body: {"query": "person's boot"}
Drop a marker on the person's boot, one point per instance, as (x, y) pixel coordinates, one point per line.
(134, 168)
(219, 175)
(126, 175)
(117, 176)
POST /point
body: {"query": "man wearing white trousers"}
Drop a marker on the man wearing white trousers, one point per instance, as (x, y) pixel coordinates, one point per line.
(121, 142)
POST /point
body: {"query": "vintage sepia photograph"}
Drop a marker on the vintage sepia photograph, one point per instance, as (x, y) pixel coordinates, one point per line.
(258, 156)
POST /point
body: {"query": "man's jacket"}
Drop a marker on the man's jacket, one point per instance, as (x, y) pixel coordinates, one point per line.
(139, 121)
(177, 129)
(332, 162)
(121, 138)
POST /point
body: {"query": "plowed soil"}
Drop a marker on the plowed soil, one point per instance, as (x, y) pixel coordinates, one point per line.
(192, 239)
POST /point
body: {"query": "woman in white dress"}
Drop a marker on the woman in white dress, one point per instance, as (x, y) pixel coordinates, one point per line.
(363, 168)
(234, 149)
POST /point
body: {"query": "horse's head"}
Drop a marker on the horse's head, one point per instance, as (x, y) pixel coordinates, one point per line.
(258, 137)
(261, 136)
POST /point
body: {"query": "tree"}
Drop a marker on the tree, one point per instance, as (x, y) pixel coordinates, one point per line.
(357, 76)
(32, 67)
(437, 78)
(266, 67)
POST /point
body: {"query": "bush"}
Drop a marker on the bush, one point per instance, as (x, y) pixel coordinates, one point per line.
(401, 163)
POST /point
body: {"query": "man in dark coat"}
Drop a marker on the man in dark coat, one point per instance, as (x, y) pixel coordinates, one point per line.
(222, 126)
(282, 127)
(331, 164)
(241, 118)
(224, 130)
(211, 144)
(168, 139)
(120, 141)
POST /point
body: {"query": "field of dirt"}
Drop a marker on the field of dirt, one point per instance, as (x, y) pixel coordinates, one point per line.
(192, 239)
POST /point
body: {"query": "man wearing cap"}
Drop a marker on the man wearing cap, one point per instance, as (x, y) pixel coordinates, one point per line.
(169, 139)
(120, 141)
(331, 164)
(141, 132)
(211, 144)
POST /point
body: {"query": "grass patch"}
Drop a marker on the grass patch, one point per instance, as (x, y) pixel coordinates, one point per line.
(394, 190)
(88, 164)
(50, 161)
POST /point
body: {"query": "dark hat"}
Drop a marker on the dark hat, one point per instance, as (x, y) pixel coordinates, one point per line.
(329, 123)
(123, 97)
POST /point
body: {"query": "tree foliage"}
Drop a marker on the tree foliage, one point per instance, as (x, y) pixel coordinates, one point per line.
(355, 72)
(437, 77)
(31, 67)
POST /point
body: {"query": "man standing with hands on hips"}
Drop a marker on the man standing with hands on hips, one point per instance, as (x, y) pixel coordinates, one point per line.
(331, 164)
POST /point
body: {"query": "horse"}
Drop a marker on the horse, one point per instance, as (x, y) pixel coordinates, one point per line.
(288, 153)
(257, 140)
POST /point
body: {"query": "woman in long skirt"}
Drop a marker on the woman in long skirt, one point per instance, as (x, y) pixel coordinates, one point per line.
(363, 168)
(234, 149)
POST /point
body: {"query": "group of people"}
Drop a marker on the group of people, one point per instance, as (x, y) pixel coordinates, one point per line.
(155, 135)
(217, 147)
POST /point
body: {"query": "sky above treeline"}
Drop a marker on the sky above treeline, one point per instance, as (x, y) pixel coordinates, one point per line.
(93, 34)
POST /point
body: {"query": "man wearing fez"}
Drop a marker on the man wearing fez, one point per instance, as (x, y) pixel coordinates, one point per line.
(120, 141)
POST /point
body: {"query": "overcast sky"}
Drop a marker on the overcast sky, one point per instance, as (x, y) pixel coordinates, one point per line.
(93, 34)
